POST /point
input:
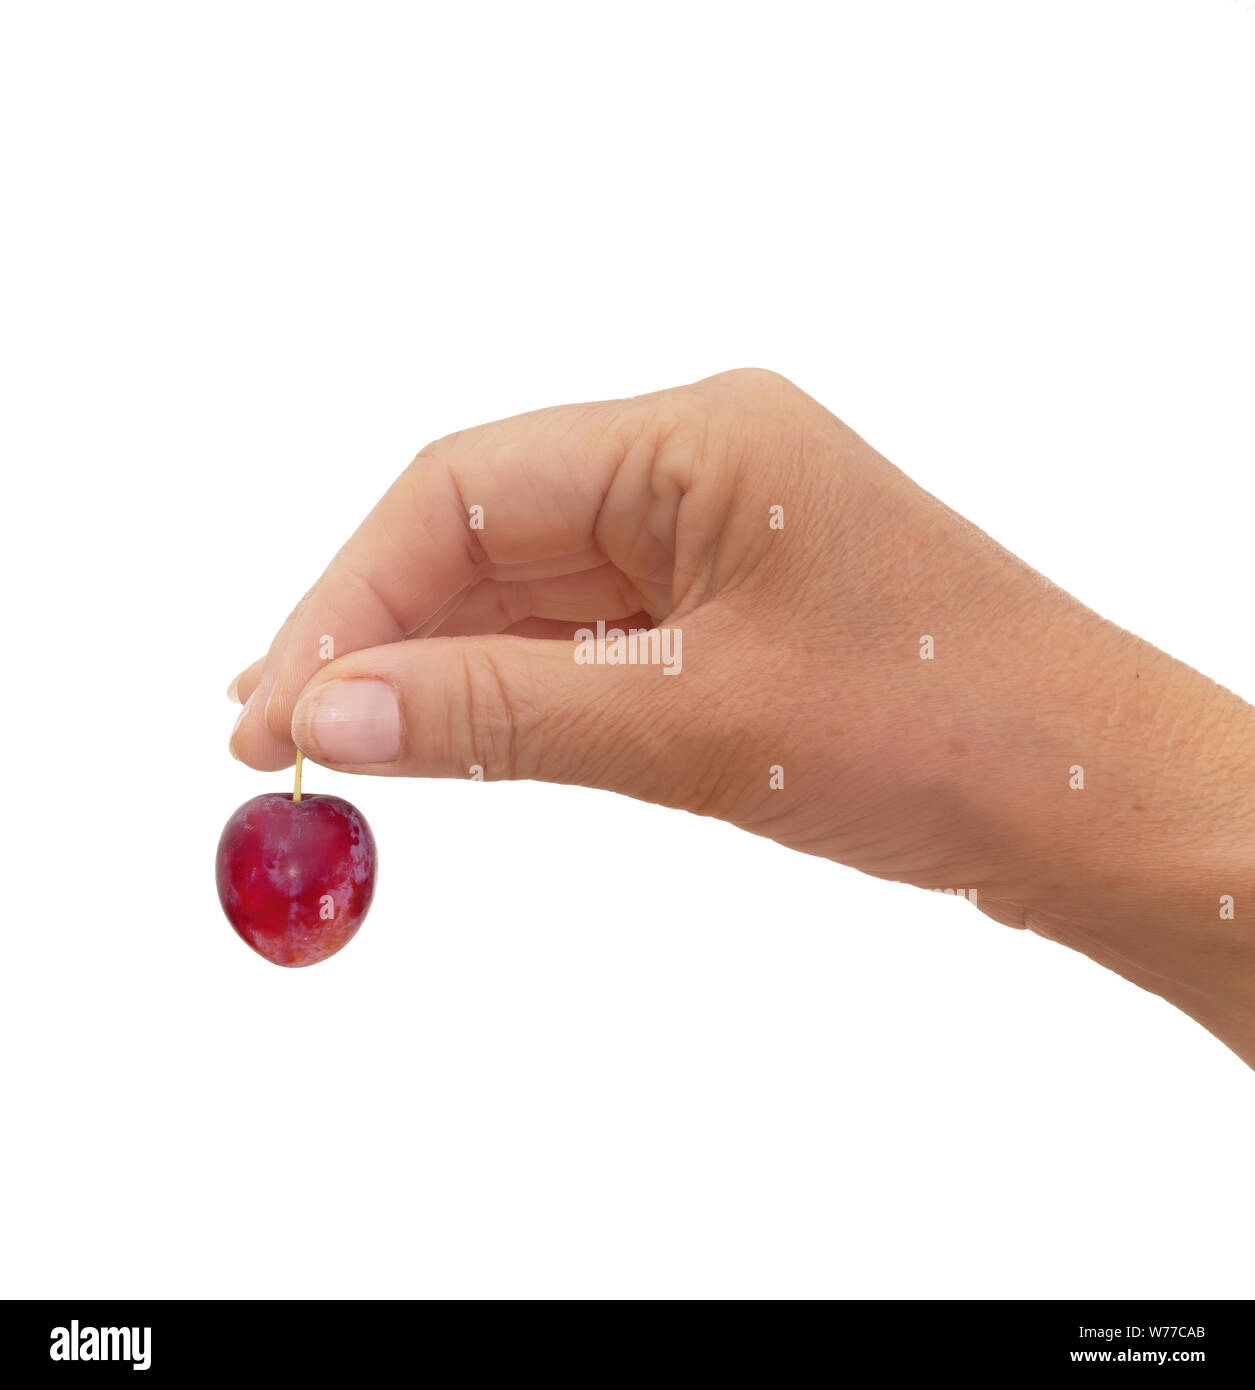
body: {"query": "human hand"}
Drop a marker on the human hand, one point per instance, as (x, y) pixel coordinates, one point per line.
(856, 672)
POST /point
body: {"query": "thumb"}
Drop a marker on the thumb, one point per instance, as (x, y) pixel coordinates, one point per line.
(511, 708)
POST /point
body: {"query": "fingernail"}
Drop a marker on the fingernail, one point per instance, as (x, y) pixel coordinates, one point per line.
(233, 690)
(351, 721)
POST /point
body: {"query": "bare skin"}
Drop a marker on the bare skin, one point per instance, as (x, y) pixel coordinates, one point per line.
(801, 651)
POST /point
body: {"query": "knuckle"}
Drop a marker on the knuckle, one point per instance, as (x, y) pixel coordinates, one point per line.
(437, 448)
(754, 382)
(746, 404)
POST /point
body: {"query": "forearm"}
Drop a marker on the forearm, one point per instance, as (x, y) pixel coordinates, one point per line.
(1134, 808)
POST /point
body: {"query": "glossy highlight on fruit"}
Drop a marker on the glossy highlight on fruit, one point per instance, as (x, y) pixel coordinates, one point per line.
(296, 875)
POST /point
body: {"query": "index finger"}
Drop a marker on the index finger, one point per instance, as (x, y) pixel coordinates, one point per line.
(517, 498)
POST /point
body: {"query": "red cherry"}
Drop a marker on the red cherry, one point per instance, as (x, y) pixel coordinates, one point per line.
(295, 877)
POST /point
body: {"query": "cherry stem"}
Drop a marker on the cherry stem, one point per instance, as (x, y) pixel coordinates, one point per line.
(296, 793)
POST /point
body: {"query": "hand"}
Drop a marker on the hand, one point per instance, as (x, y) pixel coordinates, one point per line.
(856, 672)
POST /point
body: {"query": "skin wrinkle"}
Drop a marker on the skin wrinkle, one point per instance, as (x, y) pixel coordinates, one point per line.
(477, 556)
(638, 457)
(432, 624)
(501, 706)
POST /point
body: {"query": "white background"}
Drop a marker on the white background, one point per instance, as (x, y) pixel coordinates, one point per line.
(255, 256)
